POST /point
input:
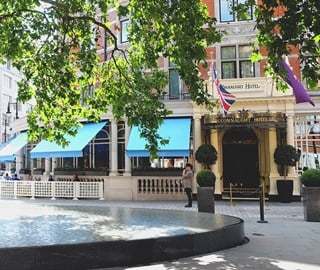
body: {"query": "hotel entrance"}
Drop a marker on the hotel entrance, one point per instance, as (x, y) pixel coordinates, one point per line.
(240, 160)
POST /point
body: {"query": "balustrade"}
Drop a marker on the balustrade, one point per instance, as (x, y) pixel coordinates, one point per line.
(52, 189)
(159, 188)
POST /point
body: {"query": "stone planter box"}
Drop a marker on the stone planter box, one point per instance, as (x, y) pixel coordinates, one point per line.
(205, 198)
(311, 203)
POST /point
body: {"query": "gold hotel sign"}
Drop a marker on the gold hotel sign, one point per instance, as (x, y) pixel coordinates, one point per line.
(245, 118)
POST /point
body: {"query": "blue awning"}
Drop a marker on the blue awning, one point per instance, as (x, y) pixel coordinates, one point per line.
(46, 149)
(9, 149)
(176, 130)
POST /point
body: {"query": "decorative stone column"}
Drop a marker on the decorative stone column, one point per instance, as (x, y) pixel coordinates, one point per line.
(114, 148)
(272, 165)
(290, 140)
(196, 138)
(196, 144)
(127, 161)
(214, 140)
(47, 166)
(19, 160)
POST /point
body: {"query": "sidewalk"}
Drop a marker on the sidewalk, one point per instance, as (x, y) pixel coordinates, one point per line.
(286, 242)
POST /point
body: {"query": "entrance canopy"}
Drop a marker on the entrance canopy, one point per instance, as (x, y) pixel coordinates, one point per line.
(8, 150)
(46, 149)
(176, 130)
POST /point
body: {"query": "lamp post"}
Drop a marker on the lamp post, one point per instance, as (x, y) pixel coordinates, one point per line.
(9, 111)
(6, 123)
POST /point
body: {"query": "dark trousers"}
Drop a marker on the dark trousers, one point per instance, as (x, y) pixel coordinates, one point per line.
(189, 192)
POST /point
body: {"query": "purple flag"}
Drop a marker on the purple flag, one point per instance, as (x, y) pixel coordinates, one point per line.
(299, 91)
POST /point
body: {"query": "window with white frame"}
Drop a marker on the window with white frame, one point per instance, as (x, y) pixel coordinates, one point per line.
(227, 14)
(307, 140)
(174, 81)
(235, 62)
(8, 65)
(124, 23)
(7, 82)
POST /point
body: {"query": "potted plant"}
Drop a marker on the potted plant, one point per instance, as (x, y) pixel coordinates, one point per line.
(310, 180)
(38, 171)
(285, 155)
(25, 171)
(207, 155)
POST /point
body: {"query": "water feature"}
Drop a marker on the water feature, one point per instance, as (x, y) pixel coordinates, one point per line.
(84, 237)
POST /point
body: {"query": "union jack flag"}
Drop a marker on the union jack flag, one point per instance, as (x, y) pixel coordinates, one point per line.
(226, 99)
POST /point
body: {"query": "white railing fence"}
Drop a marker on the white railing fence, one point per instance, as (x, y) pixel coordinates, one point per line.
(54, 189)
(159, 188)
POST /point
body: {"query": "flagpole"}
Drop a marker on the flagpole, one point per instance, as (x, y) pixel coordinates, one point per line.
(211, 75)
(214, 89)
(226, 98)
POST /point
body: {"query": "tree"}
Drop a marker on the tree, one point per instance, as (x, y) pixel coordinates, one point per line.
(284, 28)
(53, 43)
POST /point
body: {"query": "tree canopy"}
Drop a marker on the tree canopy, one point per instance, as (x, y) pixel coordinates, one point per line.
(289, 27)
(53, 43)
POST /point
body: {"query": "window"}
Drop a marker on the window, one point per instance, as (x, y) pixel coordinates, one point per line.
(307, 139)
(124, 30)
(88, 93)
(235, 62)
(101, 149)
(174, 81)
(226, 11)
(7, 82)
(8, 65)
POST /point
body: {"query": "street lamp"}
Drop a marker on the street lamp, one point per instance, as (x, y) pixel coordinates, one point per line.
(8, 109)
(6, 124)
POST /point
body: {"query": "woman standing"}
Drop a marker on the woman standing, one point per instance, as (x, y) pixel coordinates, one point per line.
(187, 177)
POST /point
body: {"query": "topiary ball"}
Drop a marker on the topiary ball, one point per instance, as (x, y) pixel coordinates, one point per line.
(206, 178)
(286, 155)
(311, 178)
(206, 154)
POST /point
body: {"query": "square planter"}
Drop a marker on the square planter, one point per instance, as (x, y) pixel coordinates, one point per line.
(205, 198)
(311, 203)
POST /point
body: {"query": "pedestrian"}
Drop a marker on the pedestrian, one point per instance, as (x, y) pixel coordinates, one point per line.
(15, 177)
(75, 177)
(187, 177)
(50, 178)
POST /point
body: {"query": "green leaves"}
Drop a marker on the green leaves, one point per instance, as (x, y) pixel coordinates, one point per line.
(299, 25)
(206, 154)
(54, 44)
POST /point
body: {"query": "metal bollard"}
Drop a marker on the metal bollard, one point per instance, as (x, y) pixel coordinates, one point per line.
(261, 201)
(230, 190)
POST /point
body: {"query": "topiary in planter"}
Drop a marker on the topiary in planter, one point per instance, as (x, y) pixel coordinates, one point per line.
(206, 154)
(311, 178)
(311, 194)
(286, 155)
(206, 178)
